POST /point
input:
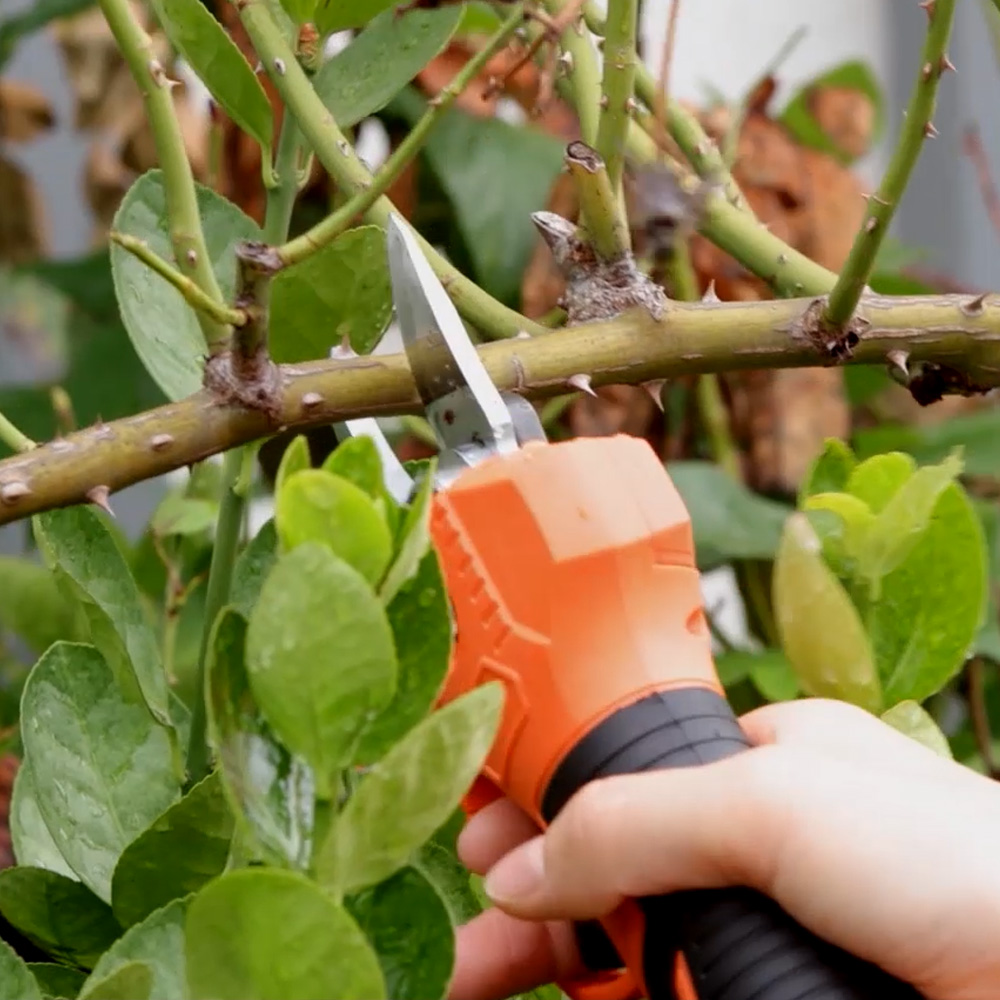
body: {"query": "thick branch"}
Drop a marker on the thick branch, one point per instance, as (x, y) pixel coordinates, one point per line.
(178, 181)
(917, 126)
(958, 339)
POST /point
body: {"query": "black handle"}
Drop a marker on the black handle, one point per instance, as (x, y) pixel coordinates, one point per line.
(738, 943)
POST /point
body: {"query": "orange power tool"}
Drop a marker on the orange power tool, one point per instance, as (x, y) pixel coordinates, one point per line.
(571, 573)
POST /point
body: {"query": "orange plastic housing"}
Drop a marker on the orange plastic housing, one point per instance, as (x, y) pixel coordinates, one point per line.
(572, 575)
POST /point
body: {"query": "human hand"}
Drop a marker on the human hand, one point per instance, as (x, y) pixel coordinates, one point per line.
(861, 834)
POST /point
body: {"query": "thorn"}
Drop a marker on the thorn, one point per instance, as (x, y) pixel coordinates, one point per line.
(871, 225)
(522, 335)
(582, 383)
(12, 492)
(926, 71)
(711, 295)
(160, 441)
(98, 496)
(631, 106)
(929, 7)
(874, 197)
(311, 400)
(564, 64)
(655, 390)
(343, 351)
(899, 367)
(344, 146)
(279, 67)
(945, 65)
(192, 257)
(930, 132)
(782, 258)
(604, 101)
(974, 307)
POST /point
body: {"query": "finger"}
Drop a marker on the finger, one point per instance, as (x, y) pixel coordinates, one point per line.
(498, 956)
(491, 833)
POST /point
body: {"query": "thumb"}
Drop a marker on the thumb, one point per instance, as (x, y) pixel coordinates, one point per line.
(720, 824)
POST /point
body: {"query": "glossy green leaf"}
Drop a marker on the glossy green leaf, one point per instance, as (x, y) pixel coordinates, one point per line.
(177, 514)
(339, 291)
(320, 656)
(362, 78)
(30, 836)
(16, 980)
(131, 981)
(408, 924)
(317, 507)
(336, 15)
(416, 541)
(163, 328)
(219, 64)
(421, 626)
(88, 563)
(877, 480)
(821, 633)
(177, 855)
(356, 459)
(830, 471)
(34, 608)
(95, 794)
(62, 917)
(728, 520)
(57, 980)
(478, 18)
(441, 867)
(270, 790)
(295, 458)
(252, 567)
(846, 537)
(258, 934)
(158, 942)
(798, 118)
(413, 789)
(471, 157)
(773, 676)
(909, 718)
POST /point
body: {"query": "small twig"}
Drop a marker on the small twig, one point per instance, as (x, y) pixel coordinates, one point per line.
(972, 146)
(14, 438)
(606, 230)
(257, 263)
(193, 295)
(916, 128)
(617, 86)
(334, 224)
(980, 717)
(579, 74)
(666, 58)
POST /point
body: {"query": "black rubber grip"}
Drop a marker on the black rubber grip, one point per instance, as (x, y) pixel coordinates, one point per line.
(738, 943)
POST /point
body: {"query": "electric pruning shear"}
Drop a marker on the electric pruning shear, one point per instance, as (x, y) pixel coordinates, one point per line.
(572, 579)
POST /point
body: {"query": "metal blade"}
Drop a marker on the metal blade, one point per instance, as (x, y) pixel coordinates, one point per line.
(463, 406)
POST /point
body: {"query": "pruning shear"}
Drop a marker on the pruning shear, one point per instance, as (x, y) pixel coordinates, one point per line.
(571, 574)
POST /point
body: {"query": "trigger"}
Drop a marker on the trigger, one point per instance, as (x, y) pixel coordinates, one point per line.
(480, 795)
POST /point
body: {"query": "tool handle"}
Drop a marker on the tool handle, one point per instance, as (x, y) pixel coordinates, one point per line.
(737, 943)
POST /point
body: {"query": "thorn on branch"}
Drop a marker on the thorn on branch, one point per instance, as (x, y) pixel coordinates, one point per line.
(975, 307)
(10, 493)
(654, 388)
(98, 496)
(582, 384)
(899, 368)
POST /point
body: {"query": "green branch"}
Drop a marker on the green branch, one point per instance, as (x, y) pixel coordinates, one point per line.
(617, 86)
(14, 437)
(955, 339)
(917, 126)
(186, 234)
(607, 231)
(578, 70)
(340, 160)
(193, 295)
(334, 224)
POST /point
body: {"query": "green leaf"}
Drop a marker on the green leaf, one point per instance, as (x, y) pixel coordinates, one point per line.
(773, 676)
(416, 541)
(320, 656)
(362, 78)
(177, 855)
(258, 933)
(830, 471)
(131, 981)
(39, 14)
(421, 626)
(16, 980)
(408, 924)
(357, 460)
(31, 838)
(909, 718)
(252, 567)
(62, 917)
(340, 291)
(728, 520)
(295, 458)
(88, 563)
(821, 633)
(95, 794)
(57, 980)
(300, 11)
(159, 942)
(846, 539)
(336, 15)
(470, 157)
(212, 54)
(163, 328)
(404, 798)
(877, 480)
(441, 867)
(177, 514)
(269, 789)
(797, 116)
(33, 607)
(318, 507)
(930, 608)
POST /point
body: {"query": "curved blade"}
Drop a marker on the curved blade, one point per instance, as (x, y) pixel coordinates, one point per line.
(463, 406)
